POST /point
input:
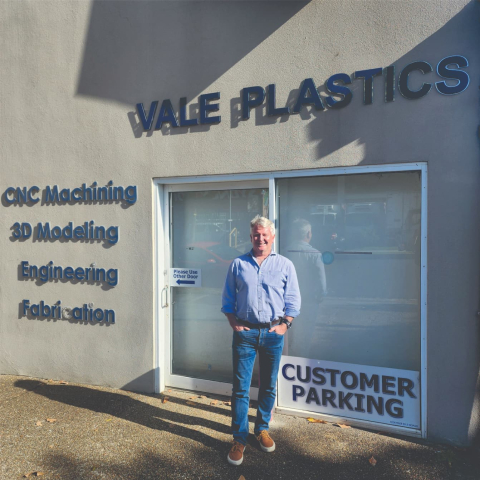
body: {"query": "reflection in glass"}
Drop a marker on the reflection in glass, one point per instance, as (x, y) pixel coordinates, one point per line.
(311, 280)
(209, 230)
(365, 307)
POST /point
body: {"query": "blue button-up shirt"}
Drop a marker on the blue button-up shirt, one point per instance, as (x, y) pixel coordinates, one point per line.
(261, 294)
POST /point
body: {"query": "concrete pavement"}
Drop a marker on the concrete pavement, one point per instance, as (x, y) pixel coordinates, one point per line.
(72, 431)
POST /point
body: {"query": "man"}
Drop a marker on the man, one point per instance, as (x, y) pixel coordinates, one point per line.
(313, 287)
(260, 299)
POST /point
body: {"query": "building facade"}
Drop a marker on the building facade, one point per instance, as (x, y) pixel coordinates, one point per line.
(139, 139)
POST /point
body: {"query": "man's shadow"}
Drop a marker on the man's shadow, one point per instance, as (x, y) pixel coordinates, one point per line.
(127, 408)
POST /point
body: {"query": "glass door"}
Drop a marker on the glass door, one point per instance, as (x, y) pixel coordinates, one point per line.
(208, 229)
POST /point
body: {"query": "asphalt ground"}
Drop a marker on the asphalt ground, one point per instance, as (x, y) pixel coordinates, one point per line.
(71, 431)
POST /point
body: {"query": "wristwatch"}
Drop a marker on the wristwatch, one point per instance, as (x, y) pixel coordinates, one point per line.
(286, 322)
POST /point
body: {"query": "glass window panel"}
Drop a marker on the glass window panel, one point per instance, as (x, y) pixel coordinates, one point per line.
(209, 230)
(358, 268)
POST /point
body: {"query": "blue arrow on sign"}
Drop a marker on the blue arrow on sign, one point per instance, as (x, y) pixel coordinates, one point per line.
(187, 282)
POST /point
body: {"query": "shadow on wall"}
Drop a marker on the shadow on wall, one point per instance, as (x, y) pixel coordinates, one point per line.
(420, 119)
(143, 51)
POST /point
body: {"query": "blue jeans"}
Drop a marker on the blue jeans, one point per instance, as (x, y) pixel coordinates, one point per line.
(245, 346)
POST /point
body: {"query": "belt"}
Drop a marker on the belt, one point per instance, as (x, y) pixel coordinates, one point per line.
(258, 325)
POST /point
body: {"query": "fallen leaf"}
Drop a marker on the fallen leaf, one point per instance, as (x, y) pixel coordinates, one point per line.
(62, 382)
(191, 403)
(227, 403)
(39, 424)
(316, 420)
(241, 477)
(191, 398)
(51, 420)
(50, 446)
(214, 402)
(372, 461)
(341, 425)
(109, 419)
(202, 396)
(168, 390)
(165, 400)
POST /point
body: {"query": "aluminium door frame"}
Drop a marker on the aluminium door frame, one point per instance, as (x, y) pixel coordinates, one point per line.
(163, 322)
(161, 188)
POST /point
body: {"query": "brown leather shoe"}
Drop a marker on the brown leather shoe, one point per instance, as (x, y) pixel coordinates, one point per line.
(235, 455)
(266, 442)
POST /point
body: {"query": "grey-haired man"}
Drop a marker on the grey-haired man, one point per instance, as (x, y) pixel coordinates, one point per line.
(260, 299)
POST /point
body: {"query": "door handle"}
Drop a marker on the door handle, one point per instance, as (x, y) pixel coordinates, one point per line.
(164, 289)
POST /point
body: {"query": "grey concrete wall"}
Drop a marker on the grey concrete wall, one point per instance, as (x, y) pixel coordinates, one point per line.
(71, 74)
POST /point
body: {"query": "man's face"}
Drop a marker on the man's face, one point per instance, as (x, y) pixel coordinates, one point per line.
(262, 240)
